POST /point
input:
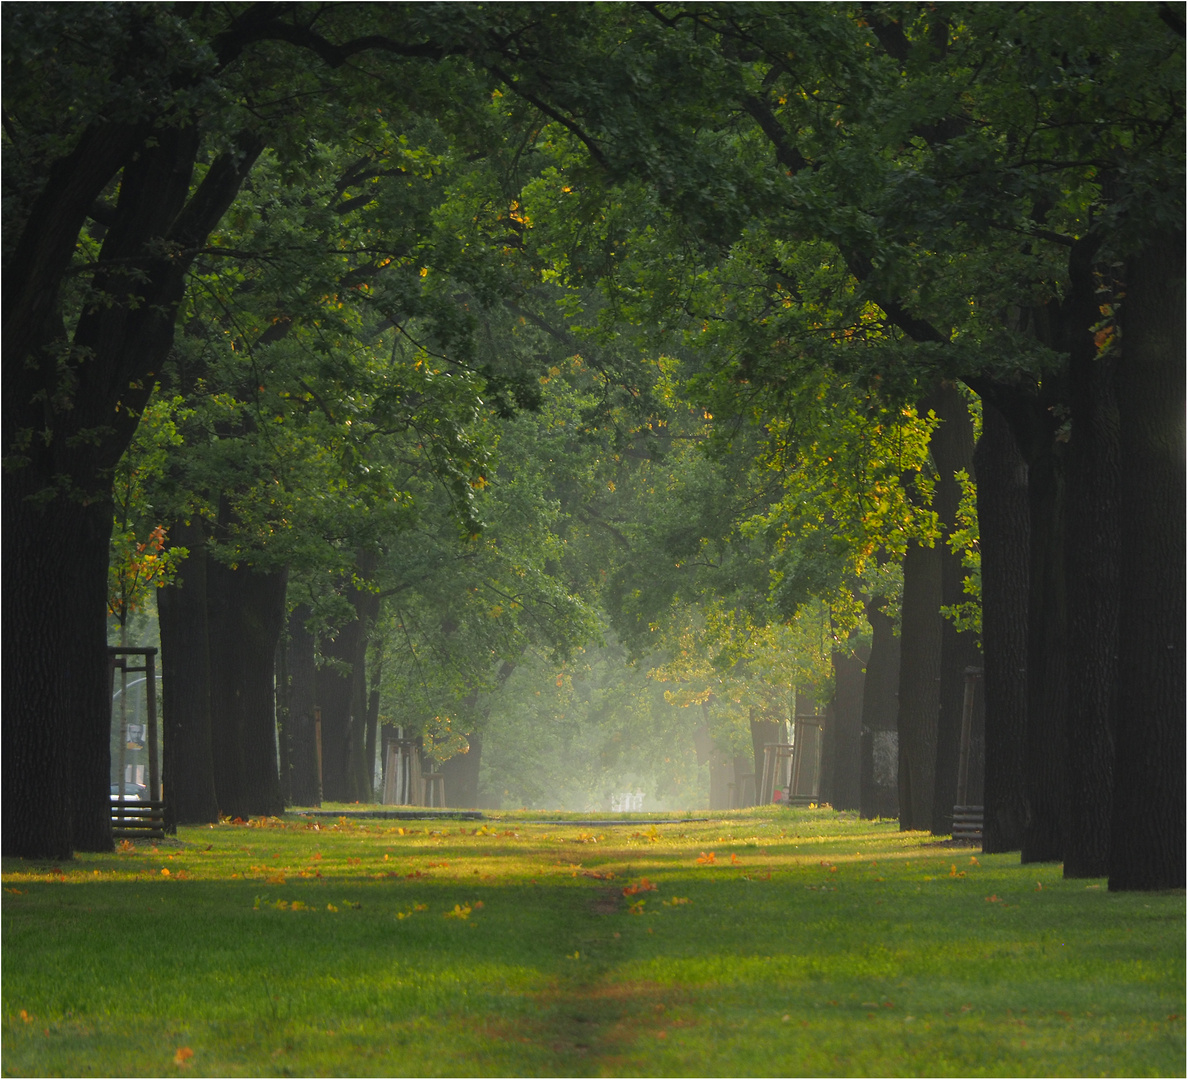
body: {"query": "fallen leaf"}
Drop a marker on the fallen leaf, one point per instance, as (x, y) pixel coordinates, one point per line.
(183, 1055)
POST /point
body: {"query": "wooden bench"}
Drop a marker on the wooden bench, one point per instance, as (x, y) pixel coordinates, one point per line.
(138, 820)
(967, 823)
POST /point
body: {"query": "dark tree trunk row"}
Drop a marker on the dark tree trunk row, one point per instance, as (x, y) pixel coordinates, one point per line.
(219, 633)
(1102, 723)
(1005, 530)
(246, 612)
(1046, 755)
(1091, 560)
(305, 780)
(1147, 849)
(919, 684)
(343, 698)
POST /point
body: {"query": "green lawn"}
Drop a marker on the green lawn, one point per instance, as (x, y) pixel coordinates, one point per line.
(775, 942)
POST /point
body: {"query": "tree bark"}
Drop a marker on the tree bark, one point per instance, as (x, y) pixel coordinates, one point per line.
(919, 684)
(1091, 555)
(304, 782)
(284, 709)
(1147, 850)
(373, 707)
(880, 707)
(1004, 527)
(90, 740)
(1047, 698)
(188, 774)
(246, 611)
(844, 726)
(342, 697)
(56, 733)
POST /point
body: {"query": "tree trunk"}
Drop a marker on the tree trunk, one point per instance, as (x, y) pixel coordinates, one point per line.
(952, 450)
(90, 740)
(1091, 553)
(188, 774)
(461, 774)
(284, 709)
(372, 734)
(1147, 850)
(342, 696)
(1004, 526)
(57, 727)
(334, 703)
(246, 611)
(919, 684)
(362, 729)
(304, 782)
(844, 726)
(1047, 699)
(880, 707)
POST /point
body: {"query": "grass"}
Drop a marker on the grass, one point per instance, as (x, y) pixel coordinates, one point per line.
(808, 943)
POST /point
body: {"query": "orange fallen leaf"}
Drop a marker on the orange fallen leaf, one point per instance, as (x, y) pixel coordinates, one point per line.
(705, 859)
(183, 1055)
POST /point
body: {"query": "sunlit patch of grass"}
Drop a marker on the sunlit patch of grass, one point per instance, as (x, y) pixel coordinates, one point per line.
(811, 943)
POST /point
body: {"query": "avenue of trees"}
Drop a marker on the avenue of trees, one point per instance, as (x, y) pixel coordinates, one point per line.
(411, 348)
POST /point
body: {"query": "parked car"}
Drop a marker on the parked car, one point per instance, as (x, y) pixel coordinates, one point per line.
(132, 792)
